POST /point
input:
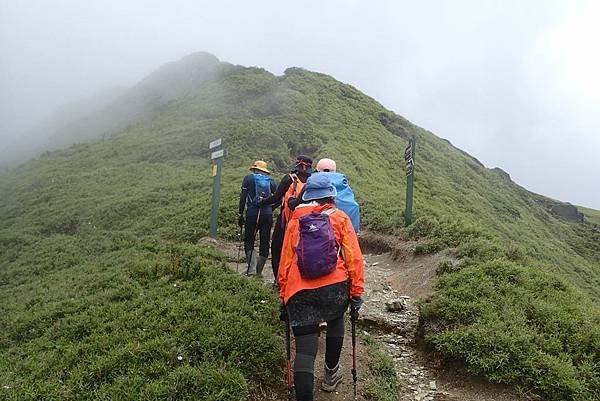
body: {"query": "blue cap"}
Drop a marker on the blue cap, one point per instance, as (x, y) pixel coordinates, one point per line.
(318, 186)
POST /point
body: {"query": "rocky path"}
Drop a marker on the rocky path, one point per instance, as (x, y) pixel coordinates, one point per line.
(395, 280)
(390, 314)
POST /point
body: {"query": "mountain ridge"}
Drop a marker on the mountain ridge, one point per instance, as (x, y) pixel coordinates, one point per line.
(524, 273)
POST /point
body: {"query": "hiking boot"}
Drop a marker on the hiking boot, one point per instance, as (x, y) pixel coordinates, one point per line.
(331, 378)
(251, 263)
(260, 263)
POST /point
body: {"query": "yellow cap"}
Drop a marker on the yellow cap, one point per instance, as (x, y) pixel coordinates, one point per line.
(260, 165)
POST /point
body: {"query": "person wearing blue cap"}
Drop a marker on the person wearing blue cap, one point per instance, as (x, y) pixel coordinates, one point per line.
(321, 272)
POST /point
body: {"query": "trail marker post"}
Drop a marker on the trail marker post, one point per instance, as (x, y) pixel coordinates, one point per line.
(409, 158)
(216, 156)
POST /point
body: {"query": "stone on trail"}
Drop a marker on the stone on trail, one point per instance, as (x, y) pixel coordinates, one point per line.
(396, 305)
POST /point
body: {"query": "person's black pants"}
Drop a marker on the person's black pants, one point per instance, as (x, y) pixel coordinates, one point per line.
(307, 343)
(262, 227)
(277, 244)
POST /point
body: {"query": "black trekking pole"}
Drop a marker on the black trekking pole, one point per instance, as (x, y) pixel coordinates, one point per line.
(253, 243)
(237, 266)
(289, 356)
(353, 318)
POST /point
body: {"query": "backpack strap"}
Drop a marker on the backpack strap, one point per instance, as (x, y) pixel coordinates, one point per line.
(330, 211)
(285, 210)
(250, 199)
(294, 178)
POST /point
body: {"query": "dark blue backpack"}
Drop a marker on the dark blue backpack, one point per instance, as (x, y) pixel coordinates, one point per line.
(262, 185)
(317, 249)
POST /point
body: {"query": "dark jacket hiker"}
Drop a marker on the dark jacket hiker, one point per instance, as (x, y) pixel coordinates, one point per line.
(259, 219)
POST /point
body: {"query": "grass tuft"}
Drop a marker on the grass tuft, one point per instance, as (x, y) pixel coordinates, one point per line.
(381, 378)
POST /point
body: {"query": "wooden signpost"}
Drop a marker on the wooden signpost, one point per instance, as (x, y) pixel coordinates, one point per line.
(217, 158)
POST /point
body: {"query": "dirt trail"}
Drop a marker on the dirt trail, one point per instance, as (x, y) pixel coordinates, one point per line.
(394, 273)
(422, 377)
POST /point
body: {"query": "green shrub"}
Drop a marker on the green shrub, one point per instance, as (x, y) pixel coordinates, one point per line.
(204, 382)
(422, 227)
(514, 324)
(381, 378)
(446, 267)
(429, 246)
(137, 320)
(480, 249)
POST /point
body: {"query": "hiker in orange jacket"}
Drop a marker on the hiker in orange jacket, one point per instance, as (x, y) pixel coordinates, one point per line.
(289, 187)
(320, 273)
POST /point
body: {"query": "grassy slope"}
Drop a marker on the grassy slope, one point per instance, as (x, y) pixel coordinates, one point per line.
(112, 316)
(153, 181)
(591, 215)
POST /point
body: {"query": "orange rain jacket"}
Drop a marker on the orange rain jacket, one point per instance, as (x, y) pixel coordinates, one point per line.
(293, 191)
(349, 266)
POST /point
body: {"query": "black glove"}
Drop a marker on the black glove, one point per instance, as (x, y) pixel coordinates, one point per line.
(282, 313)
(293, 202)
(241, 220)
(355, 304)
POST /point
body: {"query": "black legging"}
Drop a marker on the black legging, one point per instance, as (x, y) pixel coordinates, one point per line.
(277, 244)
(307, 344)
(265, 221)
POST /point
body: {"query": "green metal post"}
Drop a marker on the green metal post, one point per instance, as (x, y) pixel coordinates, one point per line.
(410, 182)
(216, 197)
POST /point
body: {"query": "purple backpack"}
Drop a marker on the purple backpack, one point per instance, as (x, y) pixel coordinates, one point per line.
(317, 249)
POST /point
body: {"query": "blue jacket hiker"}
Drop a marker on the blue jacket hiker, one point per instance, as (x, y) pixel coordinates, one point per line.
(256, 186)
(345, 196)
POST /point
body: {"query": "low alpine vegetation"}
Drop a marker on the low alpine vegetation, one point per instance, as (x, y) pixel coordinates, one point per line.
(507, 320)
(132, 320)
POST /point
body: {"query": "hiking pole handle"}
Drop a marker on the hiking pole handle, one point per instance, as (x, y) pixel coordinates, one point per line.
(353, 313)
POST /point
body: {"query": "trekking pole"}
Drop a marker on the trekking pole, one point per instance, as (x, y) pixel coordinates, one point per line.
(237, 266)
(253, 242)
(353, 318)
(254, 236)
(289, 356)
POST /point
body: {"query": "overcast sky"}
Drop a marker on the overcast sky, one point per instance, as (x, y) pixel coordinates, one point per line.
(514, 83)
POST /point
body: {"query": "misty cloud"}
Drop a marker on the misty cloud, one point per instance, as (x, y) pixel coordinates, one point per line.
(491, 77)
